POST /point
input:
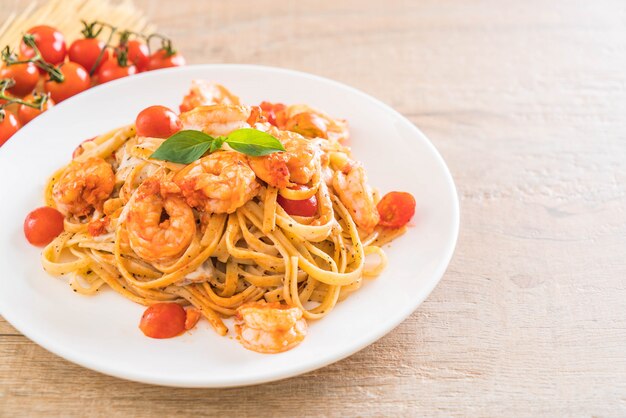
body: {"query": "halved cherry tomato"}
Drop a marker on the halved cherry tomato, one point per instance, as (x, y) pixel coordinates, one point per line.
(161, 59)
(50, 43)
(157, 122)
(27, 113)
(138, 54)
(86, 51)
(8, 126)
(306, 207)
(396, 209)
(42, 225)
(79, 149)
(163, 320)
(25, 76)
(193, 316)
(76, 80)
(272, 111)
(112, 70)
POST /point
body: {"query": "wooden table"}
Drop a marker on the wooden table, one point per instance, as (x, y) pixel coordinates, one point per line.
(526, 100)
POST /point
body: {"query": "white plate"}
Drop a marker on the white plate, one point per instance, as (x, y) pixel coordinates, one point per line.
(101, 332)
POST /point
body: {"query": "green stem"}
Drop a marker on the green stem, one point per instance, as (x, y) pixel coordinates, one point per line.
(107, 45)
(54, 73)
(166, 44)
(37, 104)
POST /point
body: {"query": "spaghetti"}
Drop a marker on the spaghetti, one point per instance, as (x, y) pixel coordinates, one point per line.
(214, 233)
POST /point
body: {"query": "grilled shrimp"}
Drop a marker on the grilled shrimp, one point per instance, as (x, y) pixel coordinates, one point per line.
(204, 93)
(220, 119)
(160, 225)
(269, 327)
(296, 164)
(83, 186)
(218, 183)
(313, 123)
(350, 183)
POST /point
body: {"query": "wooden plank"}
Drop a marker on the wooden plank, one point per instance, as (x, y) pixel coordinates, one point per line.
(526, 102)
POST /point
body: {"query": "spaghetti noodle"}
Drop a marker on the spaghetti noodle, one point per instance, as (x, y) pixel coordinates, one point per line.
(213, 233)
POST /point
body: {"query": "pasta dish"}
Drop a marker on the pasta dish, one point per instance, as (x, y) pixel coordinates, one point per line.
(223, 210)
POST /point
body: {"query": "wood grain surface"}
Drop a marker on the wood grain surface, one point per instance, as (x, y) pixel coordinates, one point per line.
(526, 101)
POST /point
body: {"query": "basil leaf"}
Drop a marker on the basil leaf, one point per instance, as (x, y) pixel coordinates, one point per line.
(183, 147)
(217, 143)
(254, 143)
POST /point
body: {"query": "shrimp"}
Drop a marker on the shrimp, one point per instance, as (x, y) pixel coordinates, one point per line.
(218, 183)
(313, 123)
(220, 119)
(269, 327)
(297, 164)
(350, 183)
(204, 93)
(160, 225)
(83, 186)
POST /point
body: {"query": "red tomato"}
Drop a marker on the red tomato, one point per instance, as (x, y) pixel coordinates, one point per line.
(157, 122)
(98, 227)
(193, 316)
(306, 207)
(50, 43)
(25, 75)
(138, 54)
(112, 70)
(79, 149)
(27, 113)
(160, 59)
(86, 51)
(76, 80)
(8, 126)
(396, 209)
(42, 225)
(271, 111)
(163, 320)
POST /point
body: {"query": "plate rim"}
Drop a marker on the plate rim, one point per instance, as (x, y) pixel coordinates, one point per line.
(296, 370)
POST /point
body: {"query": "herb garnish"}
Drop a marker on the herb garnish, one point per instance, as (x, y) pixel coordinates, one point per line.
(187, 146)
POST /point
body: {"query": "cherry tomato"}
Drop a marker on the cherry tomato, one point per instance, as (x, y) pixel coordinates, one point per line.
(396, 209)
(193, 316)
(42, 225)
(272, 111)
(50, 43)
(27, 113)
(306, 207)
(112, 70)
(160, 59)
(25, 75)
(76, 80)
(8, 126)
(138, 54)
(163, 320)
(157, 122)
(86, 52)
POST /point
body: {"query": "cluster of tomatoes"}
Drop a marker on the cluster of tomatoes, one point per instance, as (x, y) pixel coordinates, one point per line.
(45, 71)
